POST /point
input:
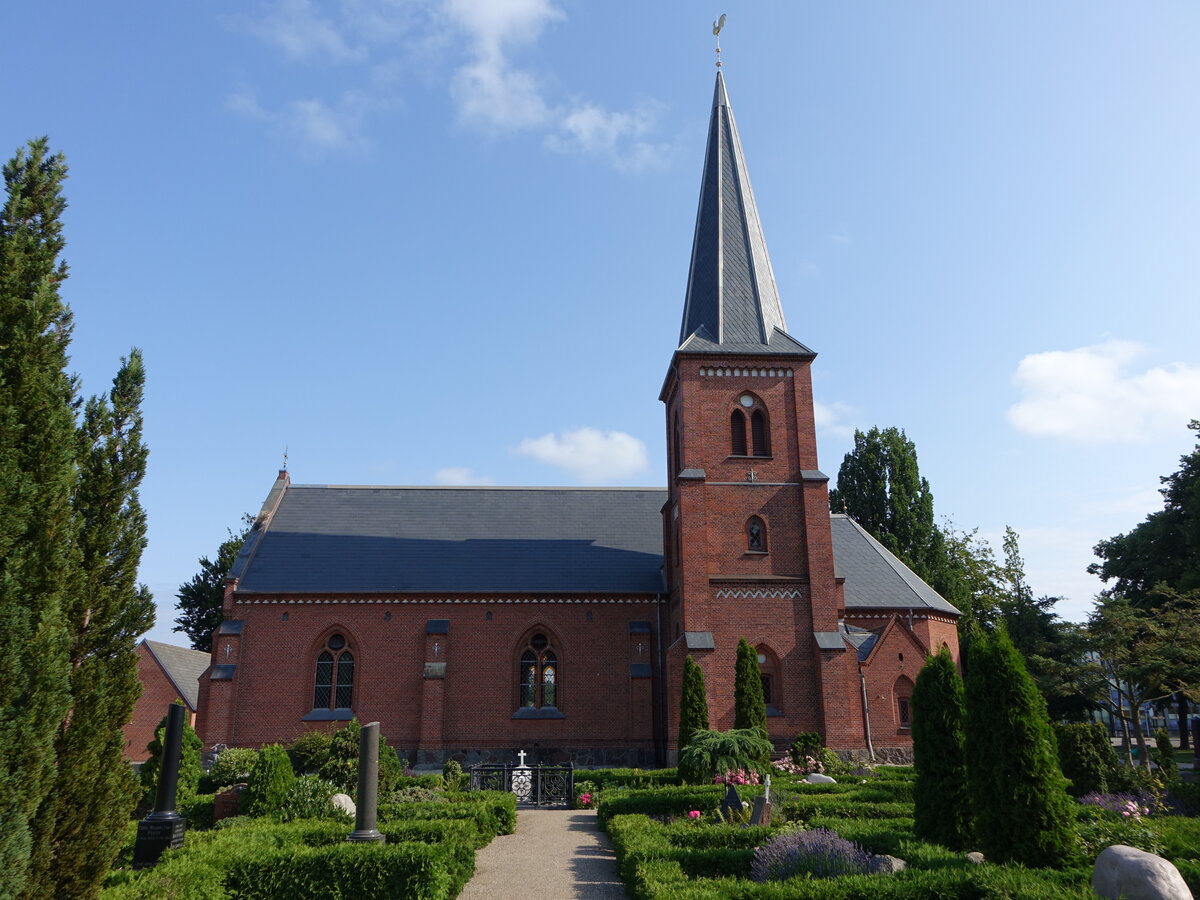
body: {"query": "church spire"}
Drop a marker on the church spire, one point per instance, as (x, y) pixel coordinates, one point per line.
(732, 303)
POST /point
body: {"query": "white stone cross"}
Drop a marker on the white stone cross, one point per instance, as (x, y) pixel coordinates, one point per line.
(521, 759)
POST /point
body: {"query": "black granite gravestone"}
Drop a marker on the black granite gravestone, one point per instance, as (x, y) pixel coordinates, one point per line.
(163, 829)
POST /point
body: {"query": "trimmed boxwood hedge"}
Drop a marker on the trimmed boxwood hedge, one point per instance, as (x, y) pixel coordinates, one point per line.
(667, 801)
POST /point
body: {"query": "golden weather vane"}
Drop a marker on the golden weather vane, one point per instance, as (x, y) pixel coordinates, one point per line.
(717, 26)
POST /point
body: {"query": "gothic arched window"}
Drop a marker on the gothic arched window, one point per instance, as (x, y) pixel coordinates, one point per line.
(768, 672)
(760, 434)
(902, 691)
(334, 683)
(756, 535)
(737, 433)
(538, 673)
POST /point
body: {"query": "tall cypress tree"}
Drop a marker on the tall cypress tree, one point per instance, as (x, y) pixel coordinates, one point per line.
(749, 707)
(37, 526)
(78, 830)
(1018, 793)
(942, 810)
(693, 703)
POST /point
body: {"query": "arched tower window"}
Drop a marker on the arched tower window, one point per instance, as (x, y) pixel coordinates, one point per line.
(756, 535)
(737, 433)
(537, 673)
(760, 434)
(334, 683)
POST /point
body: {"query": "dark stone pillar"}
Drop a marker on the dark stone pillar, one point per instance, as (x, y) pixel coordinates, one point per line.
(164, 827)
(367, 805)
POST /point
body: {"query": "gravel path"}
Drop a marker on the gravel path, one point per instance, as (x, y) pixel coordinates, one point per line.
(557, 854)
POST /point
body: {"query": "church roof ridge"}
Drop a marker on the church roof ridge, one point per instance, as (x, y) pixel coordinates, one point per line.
(732, 301)
(478, 487)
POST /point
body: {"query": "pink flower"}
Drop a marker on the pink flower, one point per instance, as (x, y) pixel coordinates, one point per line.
(694, 814)
(585, 799)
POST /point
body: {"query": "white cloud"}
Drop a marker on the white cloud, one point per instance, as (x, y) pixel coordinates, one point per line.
(589, 454)
(1089, 395)
(1130, 506)
(460, 475)
(299, 30)
(317, 127)
(830, 418)
(619, 136)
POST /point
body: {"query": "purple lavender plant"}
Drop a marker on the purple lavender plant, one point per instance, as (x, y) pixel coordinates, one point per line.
(818, 852)
(1122, 804)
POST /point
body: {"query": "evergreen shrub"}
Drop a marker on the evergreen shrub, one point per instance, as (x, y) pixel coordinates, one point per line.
(667, 801)
(634, 779)
(941, 808)
(1163, 756)
(310, 752)
(310, 797)
(693, 703)
(190, 768)
(749, 707)
(716, 752)
(1087, 757)
(452, 775)
(270, 780)
(232, 766)
(341, 766)
(807, 745)
(1018, 794)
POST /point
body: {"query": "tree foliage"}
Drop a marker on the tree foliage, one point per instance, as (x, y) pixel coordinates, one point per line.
(941, 805)
(341, 767)
(201, 598)
(693, 702)
(1018, 794)
(879, 485)
(1087, 758)
(77, 831)
(38, 557)
(1142, 655)
(749, 707)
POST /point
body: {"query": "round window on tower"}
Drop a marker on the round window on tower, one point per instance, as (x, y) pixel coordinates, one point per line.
(746, 400)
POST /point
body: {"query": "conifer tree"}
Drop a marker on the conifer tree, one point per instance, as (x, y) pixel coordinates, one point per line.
(942, 812)
(693, 703)
(201, 600)
(269, 781)
(1018, 793)
(38, 568)
(749, 707)
(190, 766)
(78, 830)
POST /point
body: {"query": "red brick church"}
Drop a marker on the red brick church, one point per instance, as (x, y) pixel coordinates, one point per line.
(475, 622)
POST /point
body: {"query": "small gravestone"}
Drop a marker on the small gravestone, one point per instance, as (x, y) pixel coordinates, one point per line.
(731, 803)
(163, 829)
(762, 807)
(228, 803)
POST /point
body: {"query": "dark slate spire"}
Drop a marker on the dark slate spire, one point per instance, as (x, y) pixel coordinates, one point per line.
(732, 303)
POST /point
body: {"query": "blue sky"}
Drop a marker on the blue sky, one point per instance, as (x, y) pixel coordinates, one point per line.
(446, 241)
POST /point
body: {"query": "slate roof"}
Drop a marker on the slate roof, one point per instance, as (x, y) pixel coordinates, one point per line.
(342, 540)
(330, 539)
(872, 571)
(182, 666)
(732, 303)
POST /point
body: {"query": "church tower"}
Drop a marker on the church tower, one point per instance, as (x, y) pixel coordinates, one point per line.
(747, 539)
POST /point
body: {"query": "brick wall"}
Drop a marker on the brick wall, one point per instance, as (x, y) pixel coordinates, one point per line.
(157, 694)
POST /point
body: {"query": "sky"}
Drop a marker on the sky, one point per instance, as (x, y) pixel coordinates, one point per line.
(425, 242)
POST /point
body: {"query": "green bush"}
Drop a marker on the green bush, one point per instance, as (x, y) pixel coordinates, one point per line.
(693, 703)
(309, 797)
(714, 752)
(1018, 794)
(270, 780)
(808, 744)
(941, 807)
(1163, 755)
(341, 767)
(310, 752)
(190, 768)
(749, 707)
(198, 811)
(452, 775)
(672, 801)
(635, 779)
(1087, 758)
(411, 871)
(232, 766)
